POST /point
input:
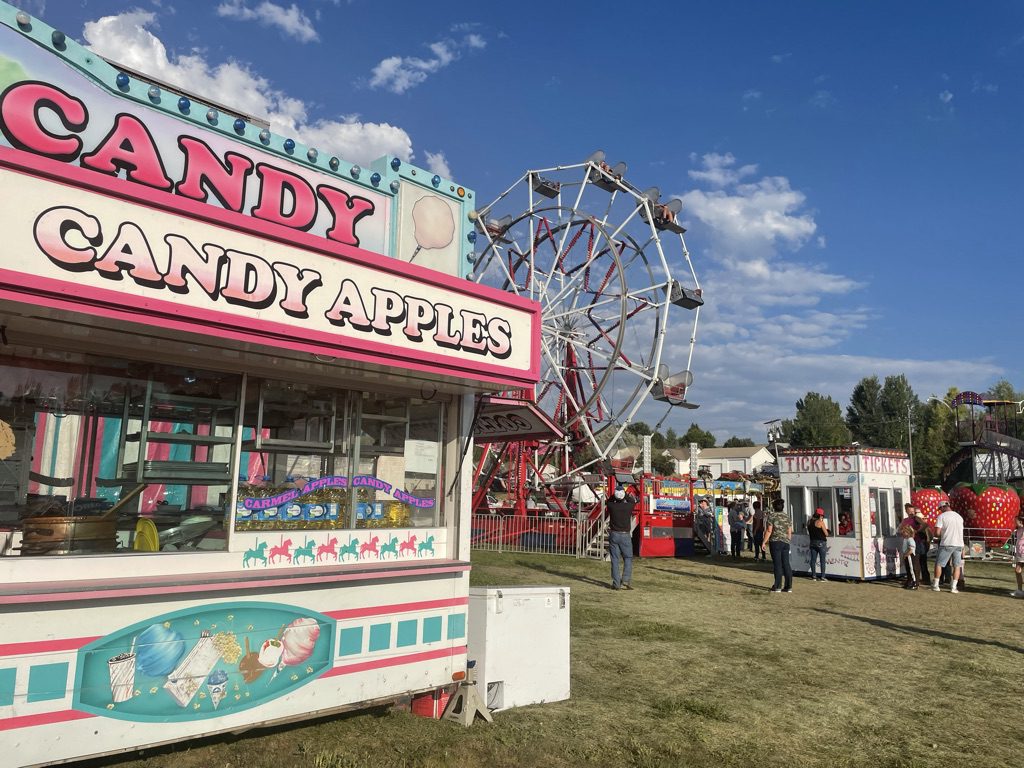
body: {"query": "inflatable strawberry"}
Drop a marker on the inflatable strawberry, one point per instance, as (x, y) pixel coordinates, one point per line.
(962, 499)
(995, 511)
(927, 500)
(990, 508)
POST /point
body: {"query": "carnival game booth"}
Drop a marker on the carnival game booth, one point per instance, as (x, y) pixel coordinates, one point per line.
(862, 492)
(237, 378)
(666, 515)
(665, 518)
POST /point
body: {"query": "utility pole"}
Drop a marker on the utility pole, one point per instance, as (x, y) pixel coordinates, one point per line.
(910, 444)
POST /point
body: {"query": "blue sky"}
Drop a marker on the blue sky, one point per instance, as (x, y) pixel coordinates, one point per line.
(850, 172)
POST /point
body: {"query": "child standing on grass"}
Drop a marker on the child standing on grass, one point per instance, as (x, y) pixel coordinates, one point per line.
(908, 554)
(1017, 548)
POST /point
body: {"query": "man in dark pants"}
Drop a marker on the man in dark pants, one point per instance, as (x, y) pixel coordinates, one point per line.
(620, 537)
(737, 527)
(778, 529)
(923, 540)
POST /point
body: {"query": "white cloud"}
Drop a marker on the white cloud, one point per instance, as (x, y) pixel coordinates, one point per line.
(754, 219)
(126, 39)
(746, 381)
(34, 7)
(945, 97)
(823, 99)
(438, 163)
(750, 98)
(980, 85)
(778, 58)
(399, 74)
(291, 20)
(775, 322)
(718, 170)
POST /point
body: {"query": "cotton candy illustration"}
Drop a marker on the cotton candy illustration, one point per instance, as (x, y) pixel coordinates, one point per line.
(433, 222)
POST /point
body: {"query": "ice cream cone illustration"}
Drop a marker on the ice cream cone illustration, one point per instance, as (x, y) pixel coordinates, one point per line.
(217, 686)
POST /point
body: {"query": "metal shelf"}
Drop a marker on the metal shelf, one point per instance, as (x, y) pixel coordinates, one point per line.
(280, 445)
(192, 400)
(185, 438)
(186, 412)
(114, 482)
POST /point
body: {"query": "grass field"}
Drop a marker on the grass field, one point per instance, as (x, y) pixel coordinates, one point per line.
(701, 666)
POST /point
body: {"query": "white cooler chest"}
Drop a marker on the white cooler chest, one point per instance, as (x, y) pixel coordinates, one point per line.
(519, 638)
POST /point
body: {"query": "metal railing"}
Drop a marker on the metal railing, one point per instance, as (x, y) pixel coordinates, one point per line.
(988, 543)
(515, 533)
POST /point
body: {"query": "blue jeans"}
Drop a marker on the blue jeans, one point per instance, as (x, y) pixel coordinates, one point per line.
(818, 550)
(736, 539)
(780, 564)
(620, 547)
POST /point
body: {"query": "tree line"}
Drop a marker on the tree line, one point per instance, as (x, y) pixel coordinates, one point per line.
(880, 414)
(888, 414)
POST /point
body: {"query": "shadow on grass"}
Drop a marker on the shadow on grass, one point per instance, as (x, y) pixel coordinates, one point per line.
(912, 630)
(720, 579)
(564, 574)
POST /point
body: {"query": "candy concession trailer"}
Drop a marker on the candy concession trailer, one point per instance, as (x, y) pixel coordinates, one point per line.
(237, 382)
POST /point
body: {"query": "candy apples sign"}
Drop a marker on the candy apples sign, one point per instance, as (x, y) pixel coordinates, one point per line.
(118, 250)
(991, 508)
(57, 114)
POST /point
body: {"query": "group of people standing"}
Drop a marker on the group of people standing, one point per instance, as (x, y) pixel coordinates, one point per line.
(746, 525)
(947, 538)
(770, 529)
(773, 529)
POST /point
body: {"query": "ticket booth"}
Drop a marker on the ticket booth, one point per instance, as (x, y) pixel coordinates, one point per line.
(862, 492)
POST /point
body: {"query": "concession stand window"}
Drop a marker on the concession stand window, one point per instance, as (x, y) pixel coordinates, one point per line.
(109, 456)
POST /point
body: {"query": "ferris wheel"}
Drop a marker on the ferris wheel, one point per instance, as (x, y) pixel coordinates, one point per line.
(601, 256)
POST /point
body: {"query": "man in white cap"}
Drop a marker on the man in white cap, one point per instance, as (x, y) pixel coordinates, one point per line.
(949, 527)
(620, 508)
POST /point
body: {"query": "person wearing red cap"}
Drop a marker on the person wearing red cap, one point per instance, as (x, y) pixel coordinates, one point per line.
(817, 529)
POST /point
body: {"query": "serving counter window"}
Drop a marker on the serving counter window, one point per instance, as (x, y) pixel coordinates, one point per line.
(883, 515)
(844, 512)
(100, 455)
(316, 458)
(797, 509)
(880, 505)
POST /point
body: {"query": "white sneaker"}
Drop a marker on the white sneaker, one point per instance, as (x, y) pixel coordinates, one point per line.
(1017, 593)
(953, 590)
(935, 586)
